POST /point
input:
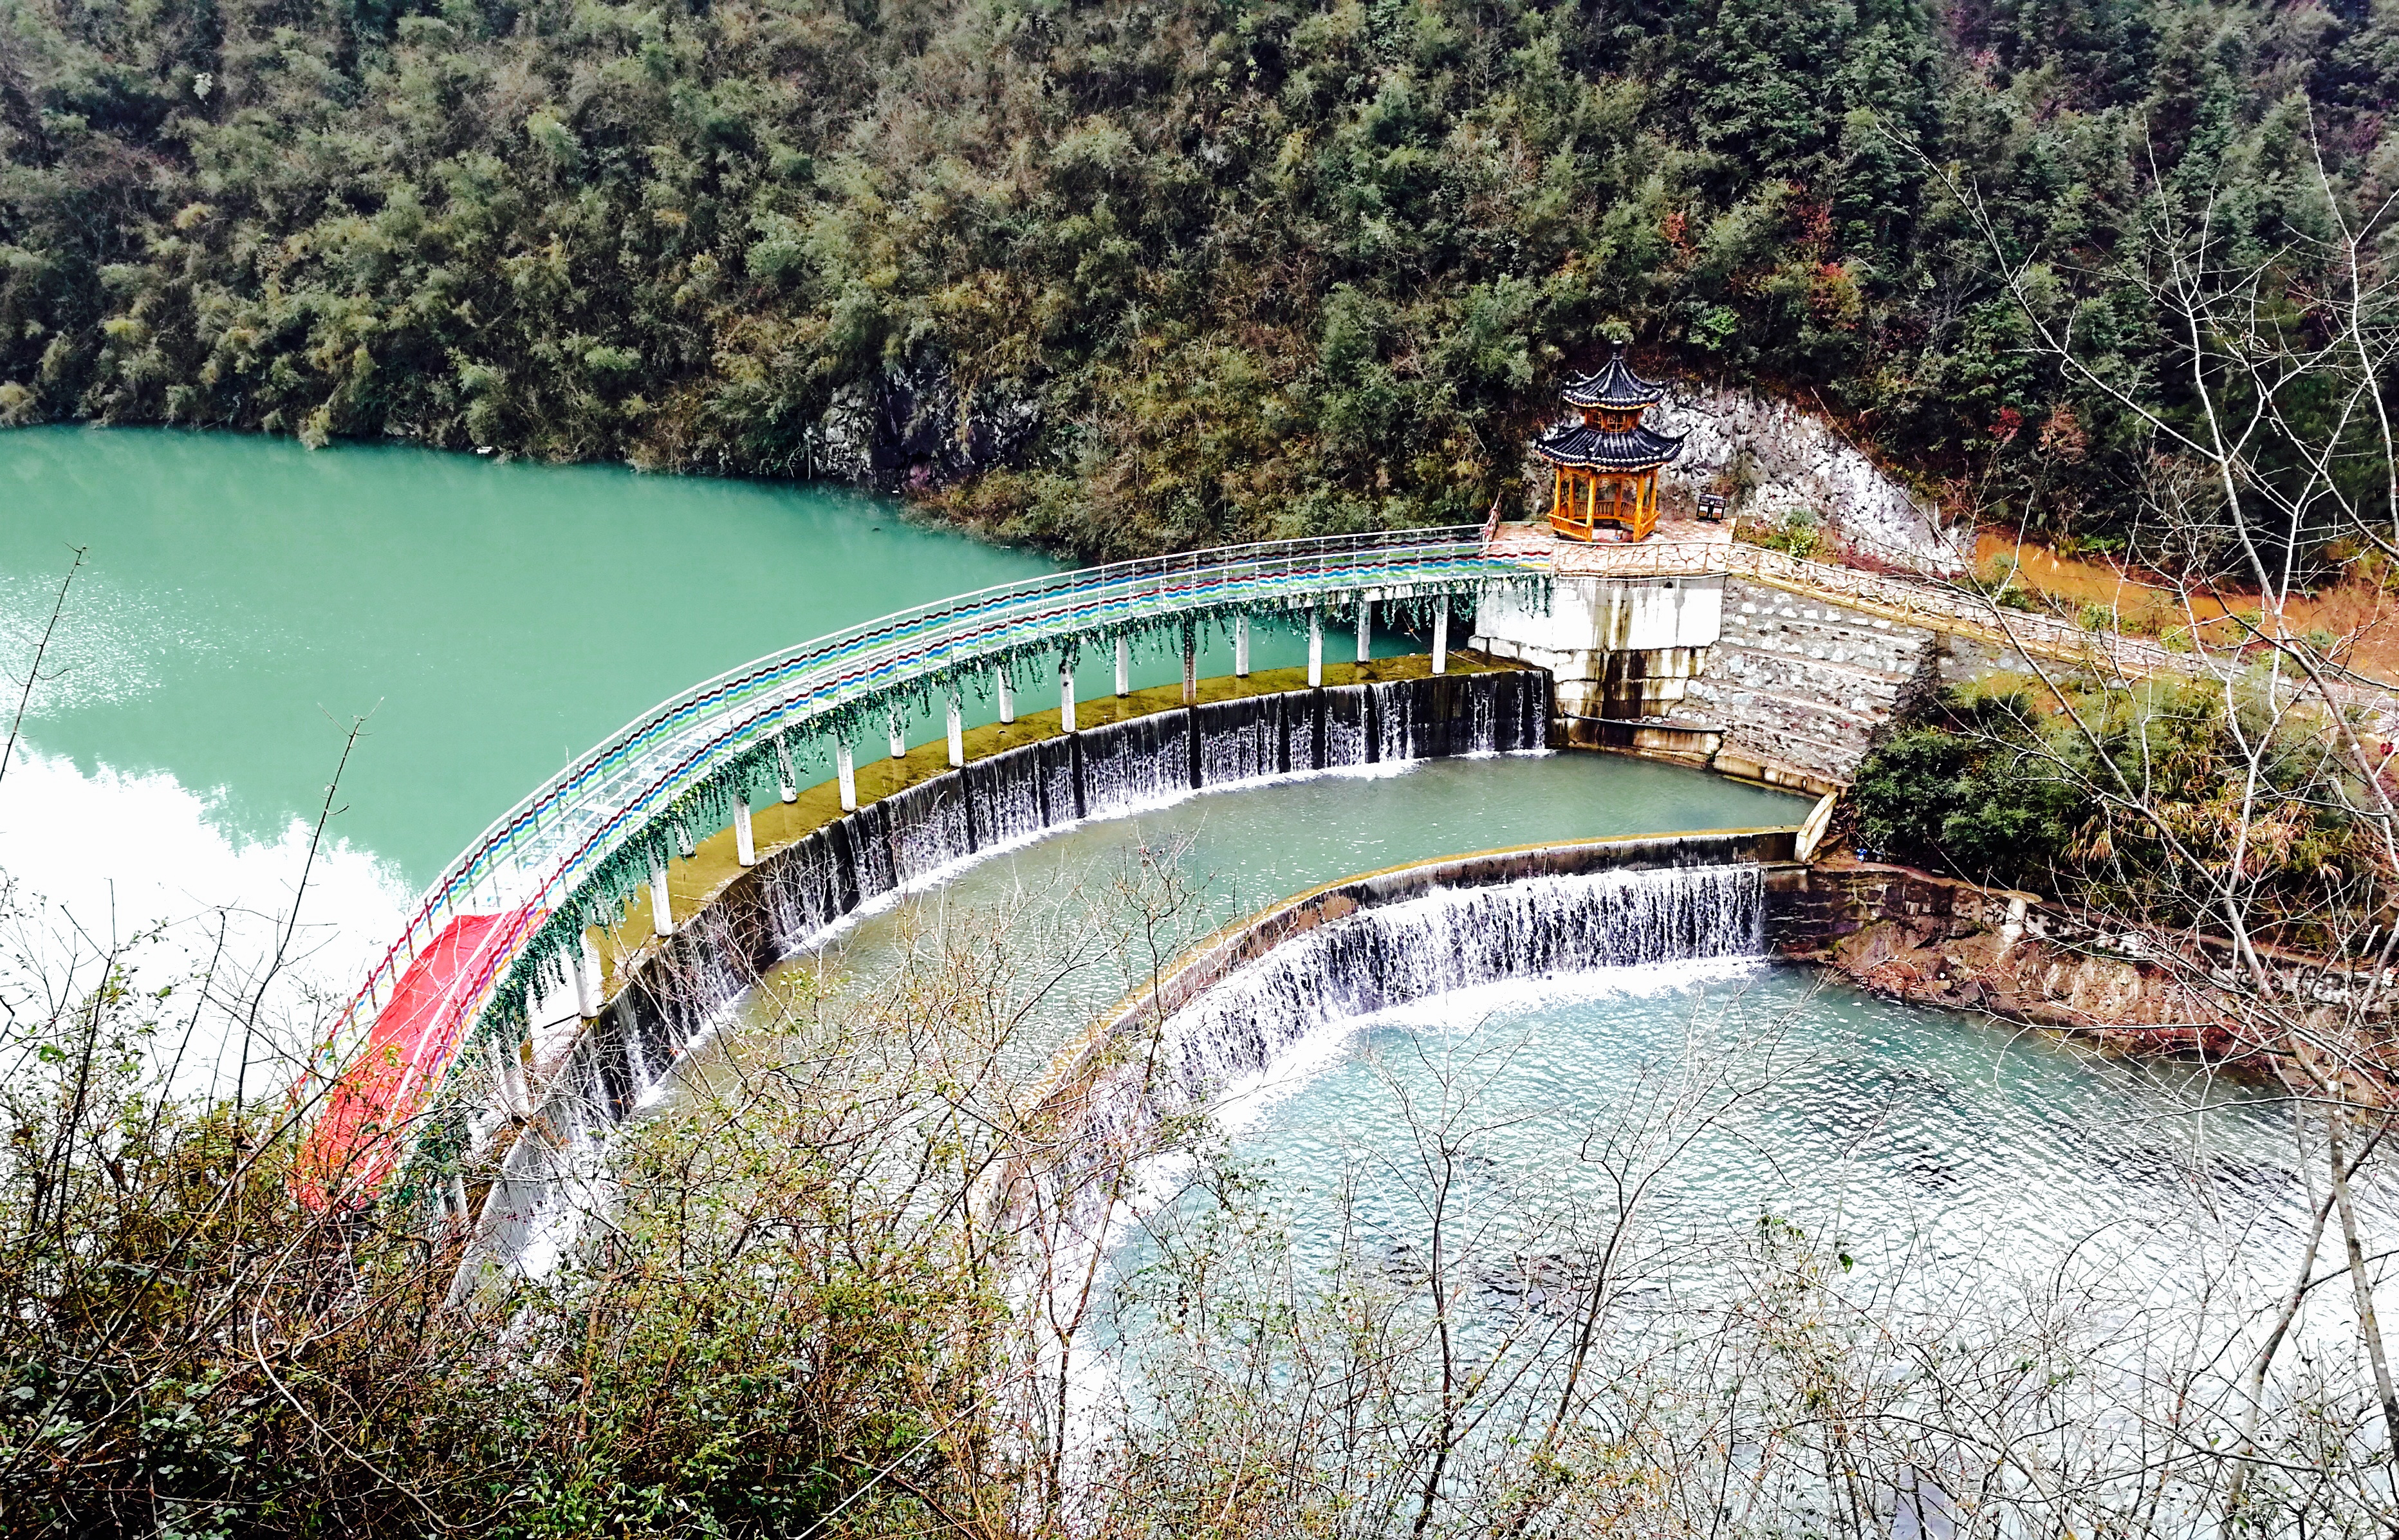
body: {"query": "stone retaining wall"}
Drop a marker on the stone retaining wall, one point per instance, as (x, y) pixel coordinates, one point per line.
(1806, 684)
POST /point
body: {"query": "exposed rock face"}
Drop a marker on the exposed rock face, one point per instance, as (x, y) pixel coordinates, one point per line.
(1939, 941)
(910, 430)
(1798, 462)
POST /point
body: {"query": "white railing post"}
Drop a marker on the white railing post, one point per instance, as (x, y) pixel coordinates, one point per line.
(661, 909)
(957, 733)
(1124, 665)
(1241, 646)
(845, 766)
(1007, 696)
(1065, 694)
(1441, 637)
(745, 846)
(1315, 648)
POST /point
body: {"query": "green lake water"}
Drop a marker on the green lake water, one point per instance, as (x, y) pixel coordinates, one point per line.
(244, 597)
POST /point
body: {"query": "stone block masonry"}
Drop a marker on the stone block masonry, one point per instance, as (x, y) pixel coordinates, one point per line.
(1803, 683)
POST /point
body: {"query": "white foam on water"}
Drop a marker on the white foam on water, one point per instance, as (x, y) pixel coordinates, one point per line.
(1243, 1100)
(111, 857)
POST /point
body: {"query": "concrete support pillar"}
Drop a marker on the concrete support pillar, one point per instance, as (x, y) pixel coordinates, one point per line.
(1241, 646)
(846, 768)
(957, 733)
(587, 979)
(1366, 628)
(1315, 648)
(1066, 695)
(745, 846)
(1124, 665)
(684, 846)
(661, 912)
(898, 735)
(508, 1083)
(1190, 669)
(1441, 639)
(786, 781)
(1007, 697)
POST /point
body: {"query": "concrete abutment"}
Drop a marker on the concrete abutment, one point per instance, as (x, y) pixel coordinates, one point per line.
(1726, 672)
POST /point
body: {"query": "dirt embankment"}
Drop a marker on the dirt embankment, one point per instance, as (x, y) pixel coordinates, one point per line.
(2361, 614)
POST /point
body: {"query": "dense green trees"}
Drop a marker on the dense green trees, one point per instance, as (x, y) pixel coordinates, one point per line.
(1264, 267)
(2144, 801)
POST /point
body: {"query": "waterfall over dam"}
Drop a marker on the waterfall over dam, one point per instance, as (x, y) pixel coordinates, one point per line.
(1457, 937)
(1253, 992)
(794, 896)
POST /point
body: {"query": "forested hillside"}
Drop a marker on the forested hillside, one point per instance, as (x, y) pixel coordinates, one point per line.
(1197, 269)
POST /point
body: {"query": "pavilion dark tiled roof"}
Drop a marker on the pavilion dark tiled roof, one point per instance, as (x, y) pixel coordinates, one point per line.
(1588, 447)
(1614, 386)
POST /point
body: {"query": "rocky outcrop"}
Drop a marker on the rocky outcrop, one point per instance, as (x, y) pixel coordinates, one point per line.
(1784, 459)
(1938, 941)
(913, 429)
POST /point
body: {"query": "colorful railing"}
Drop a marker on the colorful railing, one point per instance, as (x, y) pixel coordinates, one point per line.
(534, 859)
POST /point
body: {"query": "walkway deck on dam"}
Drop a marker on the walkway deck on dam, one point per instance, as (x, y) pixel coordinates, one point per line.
(695, 881)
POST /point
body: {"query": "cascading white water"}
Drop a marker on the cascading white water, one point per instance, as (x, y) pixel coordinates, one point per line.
(1241, 740)
(1345, 726)
(1134, 765)
(1456, 938)
(927, 825)
(799, 894)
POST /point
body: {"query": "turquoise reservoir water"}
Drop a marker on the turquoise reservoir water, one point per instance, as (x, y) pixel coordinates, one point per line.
(244, 597)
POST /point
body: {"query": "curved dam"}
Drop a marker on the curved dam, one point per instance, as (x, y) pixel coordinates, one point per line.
(674, 988)
(931, 850)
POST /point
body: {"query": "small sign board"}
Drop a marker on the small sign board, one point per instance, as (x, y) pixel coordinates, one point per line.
(1711, 505)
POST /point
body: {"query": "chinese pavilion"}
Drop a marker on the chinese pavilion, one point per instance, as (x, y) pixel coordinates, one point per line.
(1607, 463)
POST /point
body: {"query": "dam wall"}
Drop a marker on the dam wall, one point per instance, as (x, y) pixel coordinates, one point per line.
(1246, 943)
(680, 986)
(1232, 1004)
